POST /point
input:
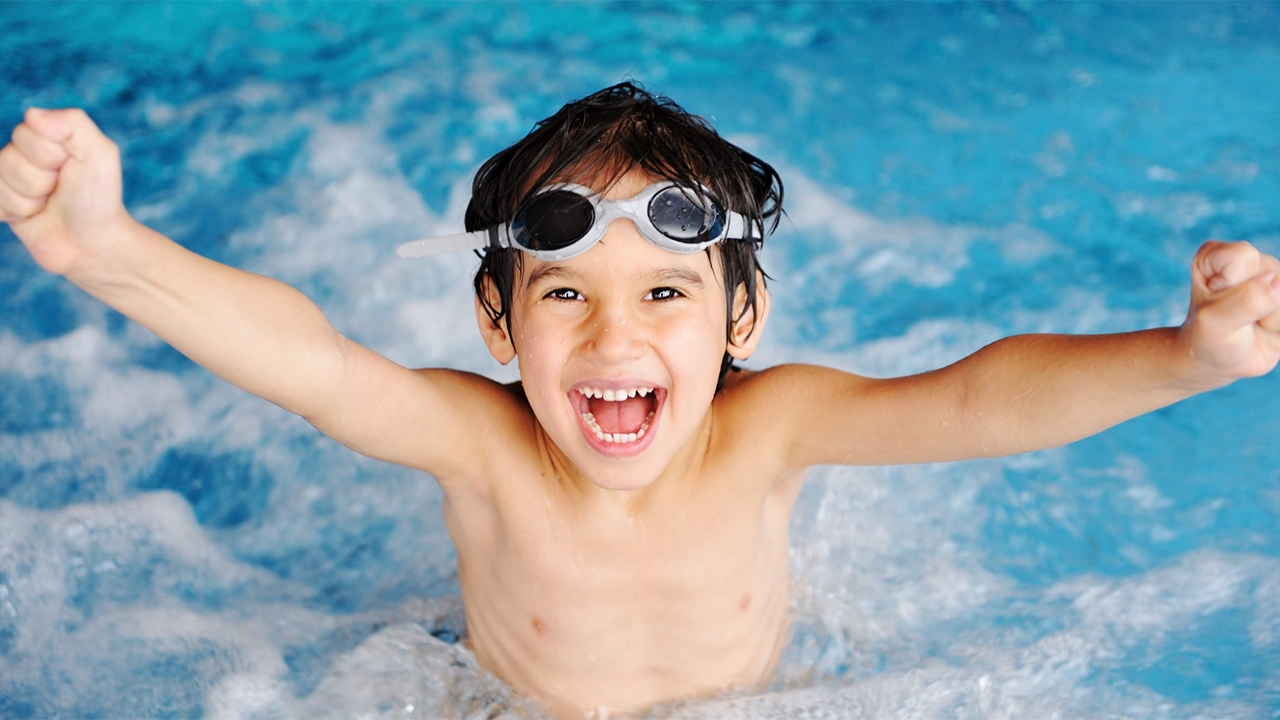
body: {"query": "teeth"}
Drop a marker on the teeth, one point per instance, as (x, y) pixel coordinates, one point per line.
(615, 395)
(590, 420)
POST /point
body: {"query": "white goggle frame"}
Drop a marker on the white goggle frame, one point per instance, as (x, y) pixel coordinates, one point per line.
(635, 208)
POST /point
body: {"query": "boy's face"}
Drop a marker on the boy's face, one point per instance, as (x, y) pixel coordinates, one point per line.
(624, 317)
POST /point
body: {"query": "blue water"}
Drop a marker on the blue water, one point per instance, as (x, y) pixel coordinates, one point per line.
(171, 547)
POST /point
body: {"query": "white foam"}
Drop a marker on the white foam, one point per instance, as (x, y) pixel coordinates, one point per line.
(84, 349)
(399, 671)
(402, 671)
(1063, 674)
(340, 229)
(891, 583)
(48, 556)
(125, 415)
(1200, 582)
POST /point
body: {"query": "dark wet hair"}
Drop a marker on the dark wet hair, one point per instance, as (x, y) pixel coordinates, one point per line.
(597, 140)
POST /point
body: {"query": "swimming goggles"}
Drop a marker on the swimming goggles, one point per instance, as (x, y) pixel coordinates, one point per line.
(566, 219)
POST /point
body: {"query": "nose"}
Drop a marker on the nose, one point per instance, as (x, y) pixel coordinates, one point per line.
(615, 337)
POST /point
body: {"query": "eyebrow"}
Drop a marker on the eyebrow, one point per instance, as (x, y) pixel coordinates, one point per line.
(551, 272)
(679, 275)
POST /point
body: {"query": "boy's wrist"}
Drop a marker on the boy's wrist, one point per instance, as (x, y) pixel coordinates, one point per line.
(1190, 372)
(118, 254)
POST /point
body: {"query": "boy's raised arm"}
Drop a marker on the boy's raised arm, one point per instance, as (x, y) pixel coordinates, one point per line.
(1031, 392)
(60, 192)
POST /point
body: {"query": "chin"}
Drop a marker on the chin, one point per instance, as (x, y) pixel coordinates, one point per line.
(611, 479)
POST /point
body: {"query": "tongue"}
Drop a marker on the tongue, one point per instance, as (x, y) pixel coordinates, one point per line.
(624, 416)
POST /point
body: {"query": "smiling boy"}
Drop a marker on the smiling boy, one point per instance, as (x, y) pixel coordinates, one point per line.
(621, 514)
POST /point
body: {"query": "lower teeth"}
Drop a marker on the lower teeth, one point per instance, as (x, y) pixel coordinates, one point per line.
(616, 437)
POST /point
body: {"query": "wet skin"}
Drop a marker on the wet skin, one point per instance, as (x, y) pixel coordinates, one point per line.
(588, 600)
(609, 576)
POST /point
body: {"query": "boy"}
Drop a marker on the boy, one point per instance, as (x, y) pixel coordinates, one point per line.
(621, 514)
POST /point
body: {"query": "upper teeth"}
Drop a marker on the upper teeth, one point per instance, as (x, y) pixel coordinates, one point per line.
(615, 395)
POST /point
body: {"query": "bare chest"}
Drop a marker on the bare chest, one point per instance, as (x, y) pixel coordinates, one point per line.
(618, 610)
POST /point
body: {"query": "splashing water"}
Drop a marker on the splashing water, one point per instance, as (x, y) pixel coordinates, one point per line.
(170, 547)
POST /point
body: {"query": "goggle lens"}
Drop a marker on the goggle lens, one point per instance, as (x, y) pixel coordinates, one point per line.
(553, 221)
(683, 215)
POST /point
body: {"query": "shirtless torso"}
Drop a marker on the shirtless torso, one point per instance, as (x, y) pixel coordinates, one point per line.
(594, 606)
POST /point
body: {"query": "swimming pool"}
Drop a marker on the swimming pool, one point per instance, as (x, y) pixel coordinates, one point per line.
(171, 547)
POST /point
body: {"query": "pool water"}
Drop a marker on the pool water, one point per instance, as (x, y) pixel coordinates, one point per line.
(171, 547)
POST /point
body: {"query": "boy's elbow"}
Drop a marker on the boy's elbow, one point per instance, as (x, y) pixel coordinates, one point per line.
(318, 378)
(986, 430)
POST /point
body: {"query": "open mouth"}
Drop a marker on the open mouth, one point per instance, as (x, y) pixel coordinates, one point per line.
(617, 417)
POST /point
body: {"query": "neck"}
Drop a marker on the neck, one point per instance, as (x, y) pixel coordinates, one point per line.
(570, 480)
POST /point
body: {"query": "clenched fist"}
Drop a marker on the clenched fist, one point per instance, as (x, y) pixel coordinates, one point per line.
(1233, 326)
(60, 188)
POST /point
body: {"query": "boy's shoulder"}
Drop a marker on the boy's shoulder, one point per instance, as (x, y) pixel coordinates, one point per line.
(753, 386)
(757, 417)
(484, 418)
(779, 414)
(758, 409)
(482, 394)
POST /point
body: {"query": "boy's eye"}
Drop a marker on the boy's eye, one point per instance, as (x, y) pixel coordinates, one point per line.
(564, 294)
(663, 293)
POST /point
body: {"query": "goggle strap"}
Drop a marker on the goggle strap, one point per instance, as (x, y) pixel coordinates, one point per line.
(736, 227)
(477, 240)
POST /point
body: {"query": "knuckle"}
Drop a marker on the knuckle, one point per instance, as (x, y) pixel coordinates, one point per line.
(8, 167)
(17, 207)
(1235, 249)
(44, 159)
(1259, 299)
(24, 141)
(35, 207)
(51, 156)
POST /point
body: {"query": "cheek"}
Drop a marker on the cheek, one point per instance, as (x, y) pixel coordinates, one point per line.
(542, 353)
(698, 341)
(537, 339)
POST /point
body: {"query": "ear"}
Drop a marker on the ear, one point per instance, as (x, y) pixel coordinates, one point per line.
(745, 333)
(495, 334)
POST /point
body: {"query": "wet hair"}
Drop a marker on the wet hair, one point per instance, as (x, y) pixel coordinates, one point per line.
(597, 140)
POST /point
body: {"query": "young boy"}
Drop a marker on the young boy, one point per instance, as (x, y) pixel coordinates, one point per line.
(621, 514)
